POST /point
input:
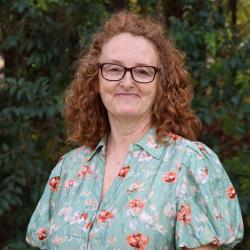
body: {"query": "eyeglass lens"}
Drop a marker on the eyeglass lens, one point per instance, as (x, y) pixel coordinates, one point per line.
(115, 72)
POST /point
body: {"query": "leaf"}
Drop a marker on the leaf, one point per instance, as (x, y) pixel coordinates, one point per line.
(10, 42)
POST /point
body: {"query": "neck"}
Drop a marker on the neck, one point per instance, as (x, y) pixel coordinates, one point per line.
(123, 133)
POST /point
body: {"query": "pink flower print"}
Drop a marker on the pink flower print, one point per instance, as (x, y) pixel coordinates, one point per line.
(135, 187)
(173, 136)
(112, 240)
(54, 183)
(85, 170)
(124, 171)
(87, 225)
(200, 156)
(82, 216)
(178, 166)
(42, 233)
(184, 214)
(182, 190)
(137, 205)
(53, 228)
(69, 183)
(92, 203)
(151, 142)
(231, 193)
(144, 217)
(218, 215)
(205, 171)
(169, 210)
(202, 176)
(170, 177)
(144, 156)
(65, 211)
(231, 230)
(137, 240)
(58, 240)
(177, 235)
(104, 216)
(201, 147)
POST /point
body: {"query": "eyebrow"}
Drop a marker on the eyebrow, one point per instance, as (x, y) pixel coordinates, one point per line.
(122, 64)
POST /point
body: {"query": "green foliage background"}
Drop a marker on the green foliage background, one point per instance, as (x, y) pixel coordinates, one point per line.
(40, 40)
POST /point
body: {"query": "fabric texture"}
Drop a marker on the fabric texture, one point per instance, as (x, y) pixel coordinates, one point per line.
(164, 197)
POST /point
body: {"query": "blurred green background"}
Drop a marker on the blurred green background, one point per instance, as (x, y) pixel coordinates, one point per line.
(39, 43)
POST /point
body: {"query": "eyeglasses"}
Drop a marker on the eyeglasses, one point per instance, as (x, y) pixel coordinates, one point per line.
(140, 74)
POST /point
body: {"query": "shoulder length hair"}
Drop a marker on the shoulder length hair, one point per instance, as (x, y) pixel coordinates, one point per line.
(85, 115)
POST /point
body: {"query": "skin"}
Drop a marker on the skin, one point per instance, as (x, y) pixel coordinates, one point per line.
(129, 104)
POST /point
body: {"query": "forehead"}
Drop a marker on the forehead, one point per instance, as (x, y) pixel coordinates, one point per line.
(129, 50)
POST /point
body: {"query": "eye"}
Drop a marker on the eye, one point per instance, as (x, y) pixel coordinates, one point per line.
(143, 71)
(112, 68)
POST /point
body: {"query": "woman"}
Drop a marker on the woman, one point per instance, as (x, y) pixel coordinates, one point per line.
(138, 181)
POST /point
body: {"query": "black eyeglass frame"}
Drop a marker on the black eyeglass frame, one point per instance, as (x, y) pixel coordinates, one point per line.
(156, 70)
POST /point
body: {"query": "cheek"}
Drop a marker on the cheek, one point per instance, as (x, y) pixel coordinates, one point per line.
(152, 101)
(105, 93)
(152, 93)
(102, 85)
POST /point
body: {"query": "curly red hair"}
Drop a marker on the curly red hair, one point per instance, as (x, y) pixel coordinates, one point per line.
(85, 115)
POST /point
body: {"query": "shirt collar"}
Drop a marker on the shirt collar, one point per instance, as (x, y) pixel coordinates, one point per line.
(101, 145)
(147, 142)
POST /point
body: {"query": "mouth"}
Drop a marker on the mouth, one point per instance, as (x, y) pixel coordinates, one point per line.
(127, 94)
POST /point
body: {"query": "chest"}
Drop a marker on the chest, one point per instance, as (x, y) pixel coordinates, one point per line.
(112, 167)
(137, 201)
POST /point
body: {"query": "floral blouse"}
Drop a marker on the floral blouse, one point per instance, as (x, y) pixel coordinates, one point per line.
(164, 197)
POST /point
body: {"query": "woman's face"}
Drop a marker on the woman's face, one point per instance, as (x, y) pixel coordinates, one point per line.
(127, 98)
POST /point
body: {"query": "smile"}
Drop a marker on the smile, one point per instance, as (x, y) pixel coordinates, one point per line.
(127, 94)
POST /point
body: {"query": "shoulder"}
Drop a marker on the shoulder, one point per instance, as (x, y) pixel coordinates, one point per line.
(69, 161)
(207, 200)
(194, 156)
(193, 149)
(199, 154)
(200, 169)
(201, 173)
(81, 153)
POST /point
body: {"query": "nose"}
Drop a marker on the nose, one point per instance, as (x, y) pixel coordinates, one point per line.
(127, 81)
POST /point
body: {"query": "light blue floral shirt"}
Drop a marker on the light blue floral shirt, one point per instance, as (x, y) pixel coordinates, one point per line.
(164, 197)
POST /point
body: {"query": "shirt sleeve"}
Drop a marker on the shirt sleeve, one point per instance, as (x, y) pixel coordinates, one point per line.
(208, 210)
(38, 227)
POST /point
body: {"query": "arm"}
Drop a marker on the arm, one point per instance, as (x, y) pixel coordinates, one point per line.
(38, 228)
(208, 210)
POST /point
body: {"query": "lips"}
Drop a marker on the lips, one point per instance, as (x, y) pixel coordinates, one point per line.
(127, 94)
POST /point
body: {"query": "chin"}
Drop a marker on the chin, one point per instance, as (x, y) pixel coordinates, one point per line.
(127, 113)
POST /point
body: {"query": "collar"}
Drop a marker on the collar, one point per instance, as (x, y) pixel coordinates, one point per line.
(100, 145)
(150, 145)
(147, 142)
